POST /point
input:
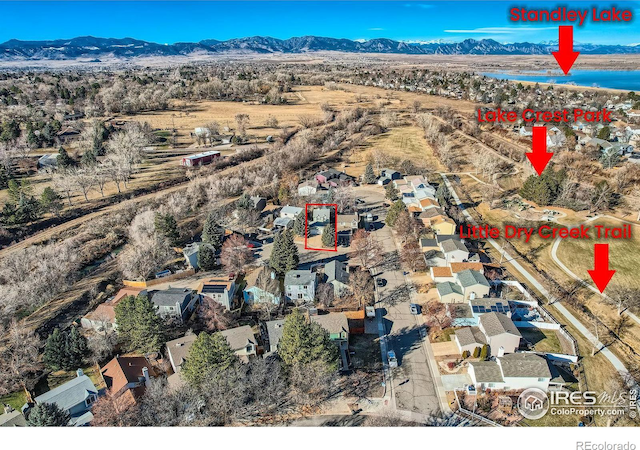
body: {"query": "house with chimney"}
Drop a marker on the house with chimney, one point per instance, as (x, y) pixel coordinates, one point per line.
(127, 377)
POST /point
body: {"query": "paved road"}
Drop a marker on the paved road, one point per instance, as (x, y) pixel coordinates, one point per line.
(412, 383)
(613, 359)
(554, 256)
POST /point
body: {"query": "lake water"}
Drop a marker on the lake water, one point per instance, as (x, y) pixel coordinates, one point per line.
(614, 79)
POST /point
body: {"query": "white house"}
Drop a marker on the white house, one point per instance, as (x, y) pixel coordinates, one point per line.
(515, 371)
(501, 333)
(454, 250)
(290, 212)
(300, 286)
(473, 283)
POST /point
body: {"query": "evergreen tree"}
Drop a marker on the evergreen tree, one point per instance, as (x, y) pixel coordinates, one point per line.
(5, 176)
(304, 343)
(299, 225)
(208, 353)
(167, 227)
(76, 349)
(212, 232)
(50, 201)
(394, 212)
(65, 350)
(244, 202)
(328, 236)
(206, 257)
(484, 352)
(391, 193)
(284, 254)
(369, 176)
(139, 326)
(476, 352)
(89, 159)
(63, 158)
(48, 415)
(604, 133)
(54, 350)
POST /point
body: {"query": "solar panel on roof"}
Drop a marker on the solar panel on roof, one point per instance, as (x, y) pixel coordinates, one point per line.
(481, 308)
(475, 309)
(494, 308)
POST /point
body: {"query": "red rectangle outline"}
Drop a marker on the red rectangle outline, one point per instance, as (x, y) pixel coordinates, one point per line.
(306, 227)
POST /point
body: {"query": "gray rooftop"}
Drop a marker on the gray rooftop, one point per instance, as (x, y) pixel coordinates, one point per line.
(336, 270)
(334, 322)
(448, 288)
(292, 210)
(70, 393)
(487, 372)
(239, 337)
(282, 221)
(426, 242)
(470, 277)
(274, 331)
(451, 245)
(524, 365)
(470, 335)
(178, 349)
(171, 296)
(445, 237)
(12, 419)
(430, 213)
(497, 323)
(299, 278)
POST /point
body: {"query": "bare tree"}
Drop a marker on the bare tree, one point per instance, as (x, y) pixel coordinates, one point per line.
(325, 294)
(213, 315)
(362, 286)
(20, 357)
(412, 257)
(113, 410)
(235, 254)
(623, 297)
(242, 122)
(366, 249)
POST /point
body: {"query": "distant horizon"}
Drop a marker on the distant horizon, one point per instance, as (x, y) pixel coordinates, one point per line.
(432, 41)
(170, 22)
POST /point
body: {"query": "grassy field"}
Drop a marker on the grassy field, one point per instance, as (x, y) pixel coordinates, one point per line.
(15, 399)
(577, 254)
(543, 340)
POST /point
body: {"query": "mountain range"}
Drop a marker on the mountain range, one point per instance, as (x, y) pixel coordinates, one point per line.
(96, 48)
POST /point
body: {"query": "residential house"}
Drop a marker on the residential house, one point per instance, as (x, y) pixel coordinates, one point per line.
(391, 174)
(454, 250)
(441, 274)
(502, 335)
(259, 203)
(255, 295)
(178, 303)
(307, 188)
(242, 341)
(273, 332)
(526, 131)
(333, 177)
(474, 284)
(300, 286)
(191, 252)
(449, 292)
(383, 181)
(347, 226)
(429, 244)
(337, 274)
(128, 376)
(321, 216)
(469, 338)
(457, 267)
(290, 212)
(178, 350)
(515, 371)
(75, 397)
(480, 306)
(67, 134)
(442, 225)
(220, 289)
(337, 324)
(104, 316)
(49, 161)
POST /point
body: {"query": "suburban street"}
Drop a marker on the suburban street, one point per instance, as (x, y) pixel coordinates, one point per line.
(413, 385)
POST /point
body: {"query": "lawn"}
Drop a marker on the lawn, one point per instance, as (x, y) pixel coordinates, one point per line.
(543, 340)
(577, 254)
(442, 336)
(15, 399)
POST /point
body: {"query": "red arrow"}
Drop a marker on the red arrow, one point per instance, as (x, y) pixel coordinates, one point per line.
(565, 54)
(601, 275)
(539, 158)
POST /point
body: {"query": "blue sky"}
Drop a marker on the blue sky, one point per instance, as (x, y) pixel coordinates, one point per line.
(169, 22)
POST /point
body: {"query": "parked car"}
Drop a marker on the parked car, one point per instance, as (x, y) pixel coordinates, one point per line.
(415, 309)
(381, 282)
(391, 356)
(471, 389)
